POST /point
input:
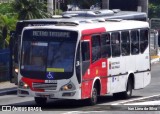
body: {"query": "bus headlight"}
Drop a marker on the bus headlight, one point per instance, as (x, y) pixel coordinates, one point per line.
(68, 87)
(23, 85)
(16, 70)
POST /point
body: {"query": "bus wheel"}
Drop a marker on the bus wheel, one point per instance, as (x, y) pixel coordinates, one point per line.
(40, 100)
(128, 93)
(93, 99)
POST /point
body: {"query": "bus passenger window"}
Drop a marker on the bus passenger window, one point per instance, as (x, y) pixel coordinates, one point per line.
(96, 52)
(85, 51)
(125, 43)
(115, 43)
(143, 40)
(105, 45)
(135, 42)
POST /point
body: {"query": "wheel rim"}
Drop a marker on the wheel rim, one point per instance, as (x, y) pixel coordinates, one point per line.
(94, 96)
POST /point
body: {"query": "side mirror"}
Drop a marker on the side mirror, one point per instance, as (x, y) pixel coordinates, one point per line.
(12, 33)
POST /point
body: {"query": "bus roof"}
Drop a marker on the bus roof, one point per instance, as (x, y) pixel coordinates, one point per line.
(109, 25)
(82, 16)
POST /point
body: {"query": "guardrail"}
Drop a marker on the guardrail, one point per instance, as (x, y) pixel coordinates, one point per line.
(4, 65)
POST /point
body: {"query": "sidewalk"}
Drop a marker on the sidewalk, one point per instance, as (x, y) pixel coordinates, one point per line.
(155, 59)
(7, 88)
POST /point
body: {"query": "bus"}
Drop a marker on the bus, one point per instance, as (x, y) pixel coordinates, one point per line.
(68, 16)
(84, 60)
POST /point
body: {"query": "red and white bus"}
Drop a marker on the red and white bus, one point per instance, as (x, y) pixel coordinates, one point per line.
(83, 60)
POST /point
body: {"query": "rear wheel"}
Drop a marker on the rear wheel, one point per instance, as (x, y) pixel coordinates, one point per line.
(93, 99)
(126, 94)
(40, 100)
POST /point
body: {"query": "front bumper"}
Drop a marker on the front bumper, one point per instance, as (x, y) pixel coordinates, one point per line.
(76, 94)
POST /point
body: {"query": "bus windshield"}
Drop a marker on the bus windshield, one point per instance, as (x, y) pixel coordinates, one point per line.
(48, 54)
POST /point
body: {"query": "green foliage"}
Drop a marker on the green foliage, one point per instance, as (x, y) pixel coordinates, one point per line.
(22, 10)
(154, 9)
(6, 8)
(30, 9)
(58, 12)
(9, 24)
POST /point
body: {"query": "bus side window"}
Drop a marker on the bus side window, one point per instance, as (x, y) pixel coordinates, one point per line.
(125, 43)
(115, 43)
(143, 40)
(96, 52)
(135, 42)
(105, 45)
(85, 51)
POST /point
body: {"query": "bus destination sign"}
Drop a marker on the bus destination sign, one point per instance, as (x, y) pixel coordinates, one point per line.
(51, 34)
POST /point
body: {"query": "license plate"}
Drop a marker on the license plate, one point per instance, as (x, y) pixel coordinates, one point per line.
(50, 81)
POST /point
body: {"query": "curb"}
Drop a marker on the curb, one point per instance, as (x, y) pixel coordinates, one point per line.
(8, 91)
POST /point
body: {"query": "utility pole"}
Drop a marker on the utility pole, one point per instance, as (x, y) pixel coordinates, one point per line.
(105, 4)
(55, 7)
(50, 7)
(144, 5)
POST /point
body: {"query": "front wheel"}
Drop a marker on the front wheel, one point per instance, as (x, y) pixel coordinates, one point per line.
(40, 100)
(93, 99)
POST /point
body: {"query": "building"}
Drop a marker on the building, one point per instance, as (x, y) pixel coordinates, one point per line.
(132, 5)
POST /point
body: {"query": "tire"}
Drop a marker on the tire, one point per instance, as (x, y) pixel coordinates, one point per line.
(126, 94)
(40, 100)
(93, 100)
(117, 95)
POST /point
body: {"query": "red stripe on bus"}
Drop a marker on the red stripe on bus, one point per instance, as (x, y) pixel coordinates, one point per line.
(30, 81)
(93, 31)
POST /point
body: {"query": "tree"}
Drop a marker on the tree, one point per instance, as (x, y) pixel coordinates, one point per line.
(6, 9)
(30, 9)
(7, 24)
(154, 9)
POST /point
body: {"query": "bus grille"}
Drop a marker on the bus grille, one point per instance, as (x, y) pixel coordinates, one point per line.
(45, 86)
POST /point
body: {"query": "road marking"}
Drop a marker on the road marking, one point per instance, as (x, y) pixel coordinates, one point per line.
(145, 103)
(123, 102)
(72, 112)
(81, 112)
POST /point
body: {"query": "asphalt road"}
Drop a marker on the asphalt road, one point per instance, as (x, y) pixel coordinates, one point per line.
(72, 106)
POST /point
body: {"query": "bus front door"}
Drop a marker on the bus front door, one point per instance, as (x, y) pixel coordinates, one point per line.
(85, 57)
